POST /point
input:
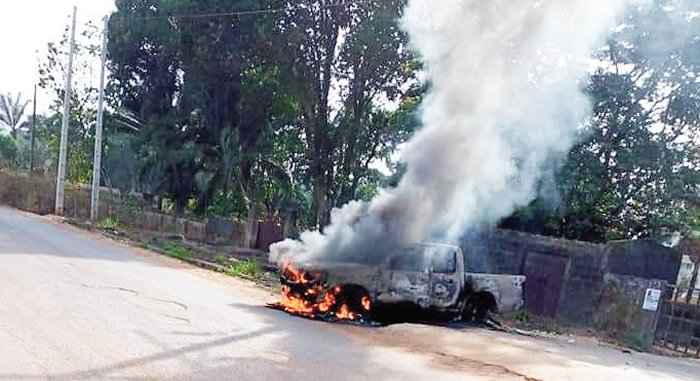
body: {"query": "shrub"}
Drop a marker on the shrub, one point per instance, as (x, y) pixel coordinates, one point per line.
(177, 251)
(109, 223)
(247, 268)
(8, 151)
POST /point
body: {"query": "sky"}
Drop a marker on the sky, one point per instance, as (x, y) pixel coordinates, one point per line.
(26, 26)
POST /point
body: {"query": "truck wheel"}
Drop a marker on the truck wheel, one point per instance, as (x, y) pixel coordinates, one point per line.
(357, 299)
(478, 307)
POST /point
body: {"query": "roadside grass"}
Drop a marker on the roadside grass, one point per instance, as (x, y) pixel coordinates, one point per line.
(177, 251)
(637, 340)
(109, 223)
(248, 269)
(222, 260)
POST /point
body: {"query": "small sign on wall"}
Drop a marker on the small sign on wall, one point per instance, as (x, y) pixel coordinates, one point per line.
(652, 299)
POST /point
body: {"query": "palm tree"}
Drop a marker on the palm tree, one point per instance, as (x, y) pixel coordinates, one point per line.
(12, 112)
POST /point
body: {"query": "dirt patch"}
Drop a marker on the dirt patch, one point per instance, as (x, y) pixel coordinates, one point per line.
(423, 341)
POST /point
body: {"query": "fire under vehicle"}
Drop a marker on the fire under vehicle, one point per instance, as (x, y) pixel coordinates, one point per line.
(428, 277)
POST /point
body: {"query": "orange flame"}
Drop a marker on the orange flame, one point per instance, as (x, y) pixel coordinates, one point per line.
(366, 303)
(344, 313)
(304, 294)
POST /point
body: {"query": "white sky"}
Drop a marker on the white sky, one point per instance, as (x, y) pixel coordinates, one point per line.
(26, 26)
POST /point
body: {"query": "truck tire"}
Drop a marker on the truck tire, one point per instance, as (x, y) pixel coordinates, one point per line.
(479, 306)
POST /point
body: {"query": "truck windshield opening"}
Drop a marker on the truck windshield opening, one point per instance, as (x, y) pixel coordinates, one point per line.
(419, 259)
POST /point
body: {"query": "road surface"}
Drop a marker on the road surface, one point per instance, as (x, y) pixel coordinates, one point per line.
(76, 306)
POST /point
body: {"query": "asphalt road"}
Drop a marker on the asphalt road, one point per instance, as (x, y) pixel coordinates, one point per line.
(75, 306)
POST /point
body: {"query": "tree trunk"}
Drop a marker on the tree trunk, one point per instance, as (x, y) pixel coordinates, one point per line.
(320, 202)
(290, 225)
(251, 227)
(180, 205)
(249, 188)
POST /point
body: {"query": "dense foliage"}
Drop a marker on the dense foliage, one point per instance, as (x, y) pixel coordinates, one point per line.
(292, 112)
(262, 109)
(637, 161)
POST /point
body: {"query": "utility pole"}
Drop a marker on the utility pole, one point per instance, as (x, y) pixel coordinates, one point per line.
(62, 157)
(97, 164)
(31, 151)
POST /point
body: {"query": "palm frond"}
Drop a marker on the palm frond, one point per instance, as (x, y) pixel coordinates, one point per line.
(12, 111)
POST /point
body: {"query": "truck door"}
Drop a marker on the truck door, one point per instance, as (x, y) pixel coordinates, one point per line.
(409, 277)
(445, 276)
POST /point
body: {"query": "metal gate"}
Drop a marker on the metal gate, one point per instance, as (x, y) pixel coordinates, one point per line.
(678, 328)
(545, 274)
(269, 231)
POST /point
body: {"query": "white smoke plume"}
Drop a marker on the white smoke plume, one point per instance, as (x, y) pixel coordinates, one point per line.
(504, 108)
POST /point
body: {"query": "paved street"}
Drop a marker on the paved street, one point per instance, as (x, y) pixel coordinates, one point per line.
(75, 306)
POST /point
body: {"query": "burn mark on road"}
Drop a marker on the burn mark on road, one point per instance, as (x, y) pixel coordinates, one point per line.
(457, 362)
(121, 289)
(180, 305)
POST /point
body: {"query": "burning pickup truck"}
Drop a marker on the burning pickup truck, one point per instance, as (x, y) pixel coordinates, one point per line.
(428, 276)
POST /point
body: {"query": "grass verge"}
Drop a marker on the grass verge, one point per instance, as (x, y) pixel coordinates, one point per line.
(177, 251)
(248, 268)
(109, 223)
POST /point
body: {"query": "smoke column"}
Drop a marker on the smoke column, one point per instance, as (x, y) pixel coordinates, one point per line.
(503, 111)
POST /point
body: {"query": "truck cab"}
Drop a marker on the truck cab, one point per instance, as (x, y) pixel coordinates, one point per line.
(429, 275)
(433, 276)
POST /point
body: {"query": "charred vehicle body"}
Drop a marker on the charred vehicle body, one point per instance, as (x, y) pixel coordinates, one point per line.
(428, 276)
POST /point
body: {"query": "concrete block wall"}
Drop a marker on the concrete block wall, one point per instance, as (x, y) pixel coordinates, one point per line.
(196, 231)
(586, 266)
(620, 312)
(219, 229)
(644, 259)
(169, 223)
(583, 283)
(37, 195)
(181, 226)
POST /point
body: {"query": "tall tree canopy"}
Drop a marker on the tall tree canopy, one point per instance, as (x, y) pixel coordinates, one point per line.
(638, 159)
(291, 111)
(343, 62)
(182, 78)
(293, 99)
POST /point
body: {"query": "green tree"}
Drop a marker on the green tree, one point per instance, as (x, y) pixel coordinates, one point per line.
(262, 109)
(638, 157)
(182, 78)
(342, 64)
(8, 151)
(43, 154)
(83, 110)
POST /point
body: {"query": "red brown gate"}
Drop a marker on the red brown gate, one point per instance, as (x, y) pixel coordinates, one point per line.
(545, 274)
(269, 231)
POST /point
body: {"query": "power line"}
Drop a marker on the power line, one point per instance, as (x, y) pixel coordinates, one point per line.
(255, 12)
